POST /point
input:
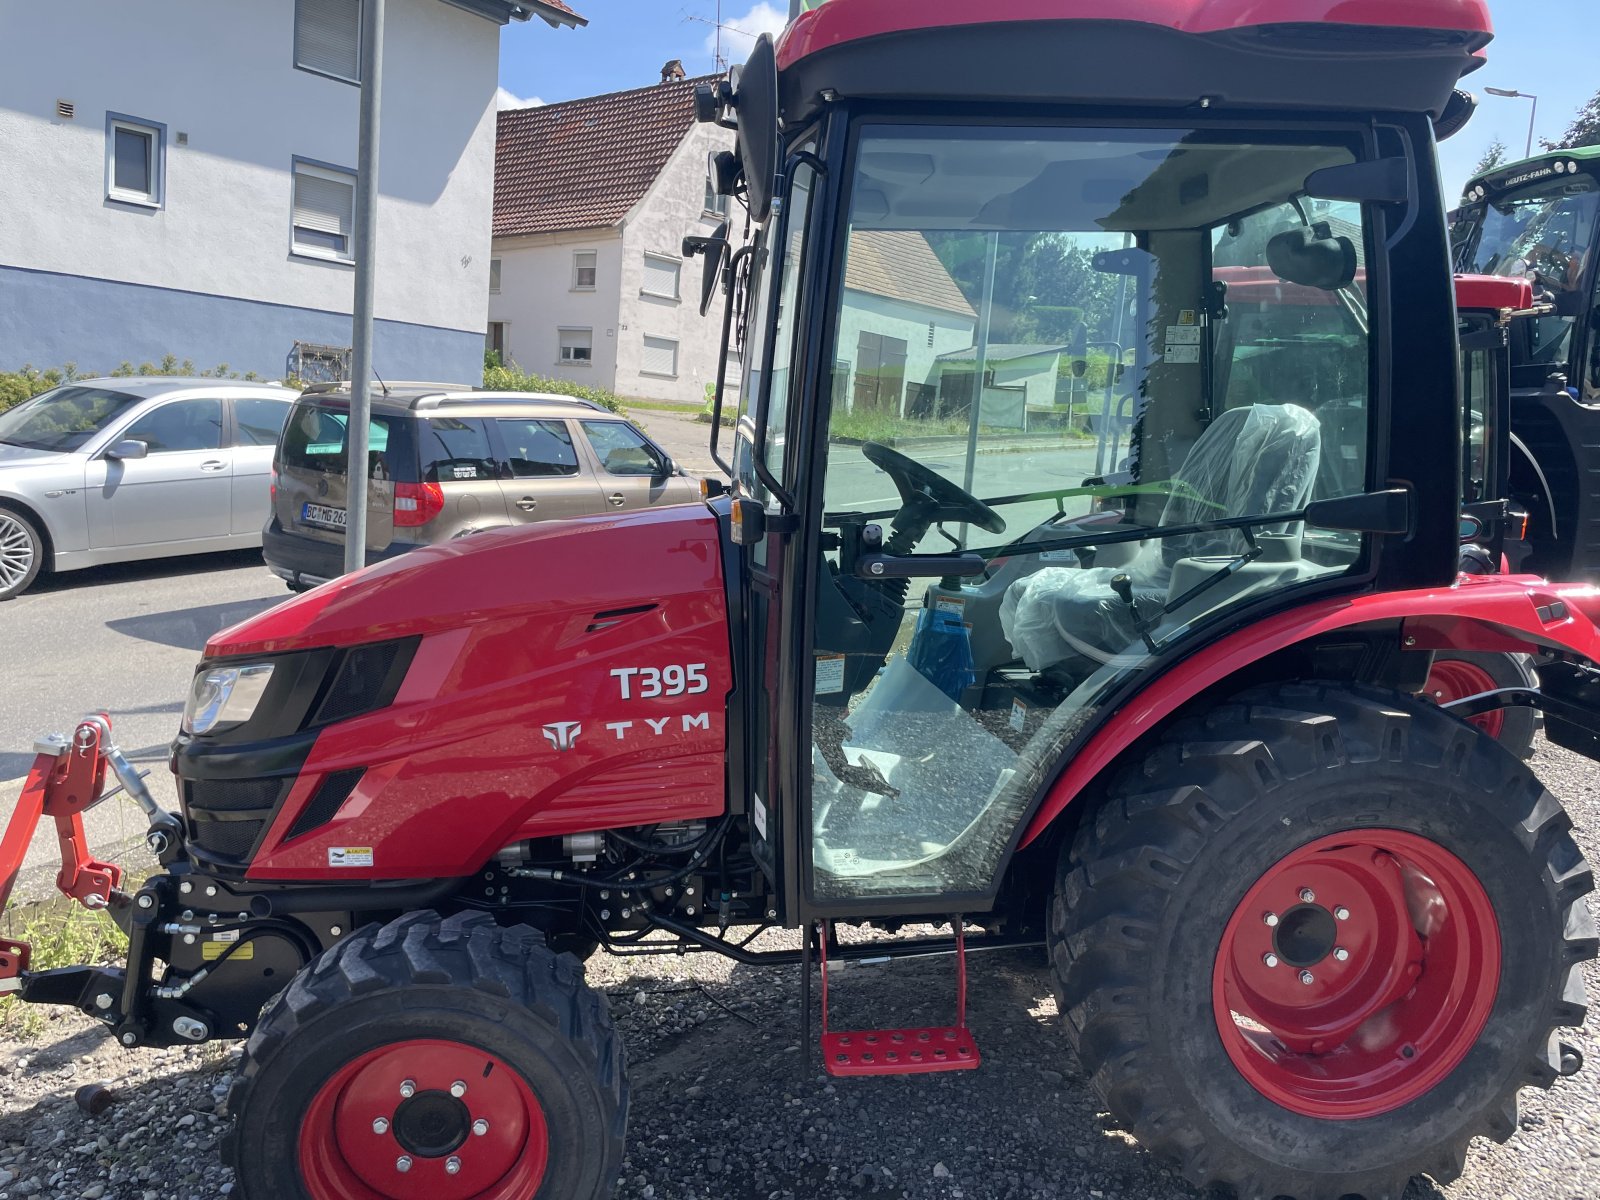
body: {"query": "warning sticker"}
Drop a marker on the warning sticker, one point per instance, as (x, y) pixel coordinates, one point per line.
(1186, 316)
(1183, 335)
(950, 604)
(1019, 715)
(1182, 354)
(1057, 556)
(213, 950)
(349, 856)
(830, 673)
(759, 812)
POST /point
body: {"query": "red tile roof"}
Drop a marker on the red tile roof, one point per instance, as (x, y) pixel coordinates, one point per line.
(582, 164)
(900, 265)
(550, 10)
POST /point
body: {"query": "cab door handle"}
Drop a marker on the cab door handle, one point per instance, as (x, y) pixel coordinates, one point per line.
(617, 499)
(527, 504)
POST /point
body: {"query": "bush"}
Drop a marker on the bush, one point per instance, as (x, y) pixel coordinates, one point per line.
(17, 386)
(498, 378)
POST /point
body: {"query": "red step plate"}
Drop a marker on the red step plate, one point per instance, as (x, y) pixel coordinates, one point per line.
(899, 1051)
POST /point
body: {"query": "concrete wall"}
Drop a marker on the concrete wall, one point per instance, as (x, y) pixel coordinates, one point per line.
(223, 76)
(672, 209)
(537, 299)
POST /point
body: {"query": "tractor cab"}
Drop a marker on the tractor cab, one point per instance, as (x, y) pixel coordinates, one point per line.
(1041, 395)
(1538, 221)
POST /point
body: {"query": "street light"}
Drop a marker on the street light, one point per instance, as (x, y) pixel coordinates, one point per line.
(1513, 94)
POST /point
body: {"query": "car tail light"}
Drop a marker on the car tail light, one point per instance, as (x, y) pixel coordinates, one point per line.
(417, 503)
(272, 487)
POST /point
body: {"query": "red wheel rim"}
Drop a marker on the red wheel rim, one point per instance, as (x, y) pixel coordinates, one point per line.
(424, 1120)
(1356, 974)
(1452, 679)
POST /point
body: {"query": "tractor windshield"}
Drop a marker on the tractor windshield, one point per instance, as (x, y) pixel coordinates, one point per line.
(1115, 364)
(1545, 233)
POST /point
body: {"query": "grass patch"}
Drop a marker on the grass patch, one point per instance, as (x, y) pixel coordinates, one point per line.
(62, 934)
(660, 406)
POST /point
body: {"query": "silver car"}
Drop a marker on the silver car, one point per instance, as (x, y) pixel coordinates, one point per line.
(108, 470)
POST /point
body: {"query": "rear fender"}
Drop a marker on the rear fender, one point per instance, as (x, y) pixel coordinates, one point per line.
(1513, 614)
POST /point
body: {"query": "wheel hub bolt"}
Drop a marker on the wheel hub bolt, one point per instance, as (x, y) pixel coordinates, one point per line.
(458, 1089)
(1342, 913)
(452, 1165)
(408, 1089)
(1340, 953)
(403, 1163)
(381, 1125)
(1307, 895)
(1270, 920)
(480, 1127)
(1270, 959)
(1307, 977)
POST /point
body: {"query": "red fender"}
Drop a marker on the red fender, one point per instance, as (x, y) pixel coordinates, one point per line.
(1481, 612)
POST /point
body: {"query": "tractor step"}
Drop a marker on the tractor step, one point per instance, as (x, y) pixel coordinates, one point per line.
(899, 1051)
(913, 1051)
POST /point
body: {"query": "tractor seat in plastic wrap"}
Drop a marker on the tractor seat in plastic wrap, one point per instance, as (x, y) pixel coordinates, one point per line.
(1258, 459)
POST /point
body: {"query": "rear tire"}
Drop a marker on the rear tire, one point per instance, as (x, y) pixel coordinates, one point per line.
(21, 553)
(1460, 673)
(1162, 898)
(446, 1054)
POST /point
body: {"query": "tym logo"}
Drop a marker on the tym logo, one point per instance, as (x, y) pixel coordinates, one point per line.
(658, 725)
(563, 735)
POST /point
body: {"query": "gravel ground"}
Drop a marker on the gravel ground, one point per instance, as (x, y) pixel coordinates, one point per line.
(727, 1104)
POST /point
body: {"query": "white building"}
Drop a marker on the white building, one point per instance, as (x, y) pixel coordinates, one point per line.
(593, 199)
(179, 178)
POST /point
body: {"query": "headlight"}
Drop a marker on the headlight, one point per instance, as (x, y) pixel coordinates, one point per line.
(224, 696)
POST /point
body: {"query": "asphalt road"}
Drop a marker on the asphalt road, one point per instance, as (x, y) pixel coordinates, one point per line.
(122, 640)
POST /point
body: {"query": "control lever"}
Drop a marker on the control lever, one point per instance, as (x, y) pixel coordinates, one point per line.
(1122, 585)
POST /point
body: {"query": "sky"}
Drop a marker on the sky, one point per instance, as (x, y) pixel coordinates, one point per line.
(1550, 48)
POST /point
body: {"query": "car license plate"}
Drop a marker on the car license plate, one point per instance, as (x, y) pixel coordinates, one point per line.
(321, 514)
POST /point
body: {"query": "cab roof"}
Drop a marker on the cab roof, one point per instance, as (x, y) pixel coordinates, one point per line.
(1364, 55)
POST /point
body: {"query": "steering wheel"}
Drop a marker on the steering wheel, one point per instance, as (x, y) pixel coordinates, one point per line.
(921, 487)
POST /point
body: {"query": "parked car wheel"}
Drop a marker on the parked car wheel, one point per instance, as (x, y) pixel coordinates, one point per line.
(21, 553)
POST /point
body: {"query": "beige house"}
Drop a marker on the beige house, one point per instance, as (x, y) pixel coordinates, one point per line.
(592, 201)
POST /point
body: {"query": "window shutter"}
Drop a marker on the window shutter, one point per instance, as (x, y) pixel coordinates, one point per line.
(660, 356)
(326, 205)
(327, 37)
(660, 276)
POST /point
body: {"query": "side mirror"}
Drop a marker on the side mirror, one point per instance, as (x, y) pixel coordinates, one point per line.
(1470, 529)
(715, 249)
(755, 105)
(128, 448)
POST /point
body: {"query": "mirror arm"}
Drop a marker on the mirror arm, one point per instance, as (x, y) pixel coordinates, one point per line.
(730, 274)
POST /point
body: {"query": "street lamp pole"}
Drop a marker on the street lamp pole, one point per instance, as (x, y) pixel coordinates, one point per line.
(1533, 113)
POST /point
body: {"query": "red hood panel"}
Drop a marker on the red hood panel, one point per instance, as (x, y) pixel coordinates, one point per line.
(594, 563)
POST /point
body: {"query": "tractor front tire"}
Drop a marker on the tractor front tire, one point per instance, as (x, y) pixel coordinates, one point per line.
(446, 1057)
(1318, 939)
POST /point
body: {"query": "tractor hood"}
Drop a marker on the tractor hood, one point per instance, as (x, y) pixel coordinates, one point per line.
(580, 568)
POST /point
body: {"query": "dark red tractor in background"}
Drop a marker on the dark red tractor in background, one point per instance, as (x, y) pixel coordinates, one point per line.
(1310, 934)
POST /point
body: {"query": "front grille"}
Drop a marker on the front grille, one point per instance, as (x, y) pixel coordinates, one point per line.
(334, 790)
(226, 816)
(363, 682)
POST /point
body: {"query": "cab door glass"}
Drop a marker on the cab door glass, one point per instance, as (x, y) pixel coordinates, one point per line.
(1114, 366)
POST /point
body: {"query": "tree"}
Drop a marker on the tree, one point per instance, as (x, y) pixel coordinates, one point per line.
(1584, 130)
(1496, 154)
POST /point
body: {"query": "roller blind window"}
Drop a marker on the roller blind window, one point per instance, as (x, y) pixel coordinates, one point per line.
(327, 38)
(660, 277)
(660, 357)
(324, 212)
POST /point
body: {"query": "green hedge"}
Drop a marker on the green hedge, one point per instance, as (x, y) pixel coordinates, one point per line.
(17, 386)
(499, 378)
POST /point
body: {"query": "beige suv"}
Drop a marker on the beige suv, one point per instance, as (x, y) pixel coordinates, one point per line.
(446, 460)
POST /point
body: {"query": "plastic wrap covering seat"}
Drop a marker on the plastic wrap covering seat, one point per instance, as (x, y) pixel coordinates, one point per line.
(1256, 460)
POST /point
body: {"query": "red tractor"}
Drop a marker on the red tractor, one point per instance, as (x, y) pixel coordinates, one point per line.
(1154, 710)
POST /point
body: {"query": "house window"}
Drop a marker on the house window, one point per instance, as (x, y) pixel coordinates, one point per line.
(495, 340)
(134, 161)
(660, 357)
(716, 202)
(327, 38)
(660, 276)
(494, 276)
(583, 270)
(324, 212)
(577, 346)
